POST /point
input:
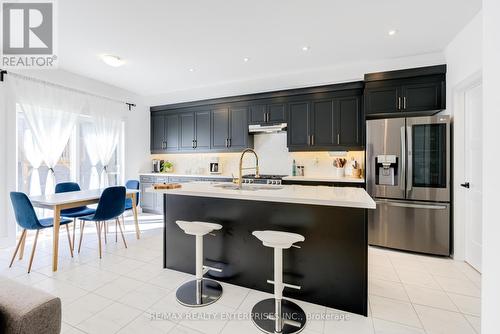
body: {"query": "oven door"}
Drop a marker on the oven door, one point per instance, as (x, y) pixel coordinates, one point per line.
(428, 158)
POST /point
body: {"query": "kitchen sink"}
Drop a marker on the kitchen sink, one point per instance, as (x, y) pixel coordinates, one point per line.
(251, 187)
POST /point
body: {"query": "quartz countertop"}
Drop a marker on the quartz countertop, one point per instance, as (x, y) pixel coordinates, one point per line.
(300, 194)
(347, 179)
(212, 176)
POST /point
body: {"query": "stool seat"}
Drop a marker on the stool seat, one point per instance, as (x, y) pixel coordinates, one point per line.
(278, 239)
(197, 228)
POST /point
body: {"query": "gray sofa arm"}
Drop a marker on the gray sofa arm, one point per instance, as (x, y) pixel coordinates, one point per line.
(25, 310)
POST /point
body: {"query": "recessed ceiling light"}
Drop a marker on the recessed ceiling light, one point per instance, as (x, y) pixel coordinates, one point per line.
(246, 59)
(392, 32)
(112, 60)
(305, 48)
(191, 70)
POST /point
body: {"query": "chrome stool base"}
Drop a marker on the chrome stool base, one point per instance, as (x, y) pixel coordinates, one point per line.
(199, 293)
(263, 316)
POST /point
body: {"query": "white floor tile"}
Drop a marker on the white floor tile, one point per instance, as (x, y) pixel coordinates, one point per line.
(144, 324)
(430, 297)
(416, 277)
(458, 286)
(109, 320)
(118, 288)
(394, 310)
(467, 304)
(387, 289)
(475, 322)
(209, 319)
(437, 321)
(387, 327)
(68, 329)
(83, 308)
(144, 296)
(383, 273)
(340, 322)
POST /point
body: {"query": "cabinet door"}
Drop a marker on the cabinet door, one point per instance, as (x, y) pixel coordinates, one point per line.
(276, 112)
(258, 113)
(172, 132)
(187, 131)
(202, 135)
(379, 100)
(157, 133)
(422, 97)
(299, 116)
(238, 128)
(324, 123)
(349, 120)
(220, 128)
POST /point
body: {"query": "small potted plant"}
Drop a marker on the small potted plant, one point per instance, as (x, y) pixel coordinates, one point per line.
(167, 167)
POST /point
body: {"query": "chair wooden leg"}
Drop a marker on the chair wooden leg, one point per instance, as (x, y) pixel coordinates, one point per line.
(69, 240)
(23, 236)
(121, 231)
(98, 226)
(21, 249)
(105, 225)
(82, 226)
(33, 251)
(73, 238)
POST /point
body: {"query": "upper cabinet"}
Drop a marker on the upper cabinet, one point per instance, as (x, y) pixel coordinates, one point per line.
(326, 122)
(419, 91)
(267, 112)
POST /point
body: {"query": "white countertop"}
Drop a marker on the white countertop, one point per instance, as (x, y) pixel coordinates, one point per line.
(348, 179)
(215, 176)
(314, 195)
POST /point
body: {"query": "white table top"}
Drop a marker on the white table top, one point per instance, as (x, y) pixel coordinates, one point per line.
(315, 195)
(71, 197)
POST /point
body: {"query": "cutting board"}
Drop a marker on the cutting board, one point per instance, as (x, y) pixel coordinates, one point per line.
(163, 186)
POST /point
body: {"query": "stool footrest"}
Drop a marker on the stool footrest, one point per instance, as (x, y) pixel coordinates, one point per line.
(286, 285)
(206, 269)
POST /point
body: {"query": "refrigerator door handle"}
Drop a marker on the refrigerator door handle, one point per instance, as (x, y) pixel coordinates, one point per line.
(409, 161)
(411, 205)
(402, 165)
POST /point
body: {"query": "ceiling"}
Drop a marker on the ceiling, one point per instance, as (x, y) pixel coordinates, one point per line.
(162, 40)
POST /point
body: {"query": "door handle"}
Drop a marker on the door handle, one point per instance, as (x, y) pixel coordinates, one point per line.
(411, 205)
(465, 185)
(409, 176)
(399, 103)
(404, 103)
(402, 165)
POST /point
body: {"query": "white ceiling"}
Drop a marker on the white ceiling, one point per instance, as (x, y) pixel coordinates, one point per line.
(162, 40)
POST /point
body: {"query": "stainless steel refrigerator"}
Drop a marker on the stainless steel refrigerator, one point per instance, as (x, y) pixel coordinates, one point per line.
(408, 176)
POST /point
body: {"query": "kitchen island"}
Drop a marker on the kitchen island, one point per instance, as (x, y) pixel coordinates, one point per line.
(331, 266)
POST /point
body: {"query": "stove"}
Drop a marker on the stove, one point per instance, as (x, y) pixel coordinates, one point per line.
(263, 179)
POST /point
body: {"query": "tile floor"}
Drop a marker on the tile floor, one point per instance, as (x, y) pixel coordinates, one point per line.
(408, 293)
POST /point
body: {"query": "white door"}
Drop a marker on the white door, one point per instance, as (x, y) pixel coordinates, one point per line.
(473, 183)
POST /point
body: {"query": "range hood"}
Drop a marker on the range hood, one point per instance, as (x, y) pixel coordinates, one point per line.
(267, 128)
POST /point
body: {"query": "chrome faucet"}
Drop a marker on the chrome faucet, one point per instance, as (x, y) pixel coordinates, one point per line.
(256, 167)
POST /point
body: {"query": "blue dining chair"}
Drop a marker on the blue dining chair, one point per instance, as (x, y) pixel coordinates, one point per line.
(27, 219)
(73, 213)
(132, 184)
(110, 207)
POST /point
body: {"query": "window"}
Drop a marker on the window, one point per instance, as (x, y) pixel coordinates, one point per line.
(74, 164)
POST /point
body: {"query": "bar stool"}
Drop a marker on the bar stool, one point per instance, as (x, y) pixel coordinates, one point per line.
(278, 315)
(201, 291)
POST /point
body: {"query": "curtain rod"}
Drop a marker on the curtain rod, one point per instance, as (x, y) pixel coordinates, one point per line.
(25, 77)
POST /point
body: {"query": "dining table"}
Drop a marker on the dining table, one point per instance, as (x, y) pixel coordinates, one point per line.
(73, 199)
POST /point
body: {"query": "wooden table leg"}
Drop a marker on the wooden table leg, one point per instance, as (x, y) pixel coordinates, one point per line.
(136, 220)
(55, 238)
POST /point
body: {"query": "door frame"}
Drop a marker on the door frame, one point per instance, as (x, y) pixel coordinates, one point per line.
(458, 132)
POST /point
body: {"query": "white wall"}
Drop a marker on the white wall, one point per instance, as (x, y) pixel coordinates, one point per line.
(464, 60)
(337, 73)
(136, 136)
(491, 162)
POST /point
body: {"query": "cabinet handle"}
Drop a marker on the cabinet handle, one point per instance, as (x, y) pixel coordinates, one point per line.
(308, 140)
(229, 140)
(312, 140)
(338, 138)
(399, 103)
(404, 103)
(164, 145)
(193, 143)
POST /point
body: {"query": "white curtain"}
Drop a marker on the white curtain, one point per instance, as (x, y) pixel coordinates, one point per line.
(34, 157)
(103, 134)
(91, 145)
(51, 113)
